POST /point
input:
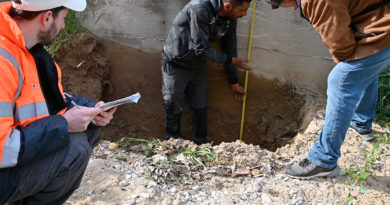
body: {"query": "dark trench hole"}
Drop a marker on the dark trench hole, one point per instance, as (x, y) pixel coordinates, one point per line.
(274, 110)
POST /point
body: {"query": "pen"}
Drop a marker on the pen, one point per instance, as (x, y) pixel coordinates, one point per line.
(71, 101)
(74, 104)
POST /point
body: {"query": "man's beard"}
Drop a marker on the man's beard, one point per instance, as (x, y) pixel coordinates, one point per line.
(45, 38)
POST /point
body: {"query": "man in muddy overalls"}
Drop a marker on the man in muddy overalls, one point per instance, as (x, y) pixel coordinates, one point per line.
(186, 50)
(357, 34)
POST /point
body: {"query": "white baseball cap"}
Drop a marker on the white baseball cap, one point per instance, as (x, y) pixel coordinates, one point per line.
(42, 5)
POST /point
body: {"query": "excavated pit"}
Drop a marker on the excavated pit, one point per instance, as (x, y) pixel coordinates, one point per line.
(275, 112)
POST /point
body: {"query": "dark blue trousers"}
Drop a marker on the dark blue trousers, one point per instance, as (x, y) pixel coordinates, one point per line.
(53, 179)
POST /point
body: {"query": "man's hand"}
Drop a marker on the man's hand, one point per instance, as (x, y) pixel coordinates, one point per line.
(104, 117)
(79, 117)
(243, 64)
(238, 91)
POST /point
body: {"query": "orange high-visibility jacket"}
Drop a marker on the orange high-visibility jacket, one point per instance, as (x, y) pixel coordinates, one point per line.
(27, 130)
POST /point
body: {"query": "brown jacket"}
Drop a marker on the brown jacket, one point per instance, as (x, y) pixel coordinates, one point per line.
(332, 20)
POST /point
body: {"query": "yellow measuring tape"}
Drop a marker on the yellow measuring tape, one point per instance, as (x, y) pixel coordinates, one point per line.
(247, 72)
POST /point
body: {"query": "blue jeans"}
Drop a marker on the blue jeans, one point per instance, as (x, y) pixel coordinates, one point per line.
(352, 98)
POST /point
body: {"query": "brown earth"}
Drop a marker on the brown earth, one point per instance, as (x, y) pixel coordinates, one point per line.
(84, 71)
(273, 112)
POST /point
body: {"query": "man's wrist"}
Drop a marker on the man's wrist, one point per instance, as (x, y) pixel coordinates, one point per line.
(233, 81)
(229, 60)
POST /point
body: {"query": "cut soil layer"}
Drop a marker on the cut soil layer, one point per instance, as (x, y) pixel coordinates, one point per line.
(273, 112)
(84, 71)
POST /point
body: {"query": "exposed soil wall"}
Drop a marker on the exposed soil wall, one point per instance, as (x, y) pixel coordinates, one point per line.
(84, 71)
(108, 70)
(273, 113)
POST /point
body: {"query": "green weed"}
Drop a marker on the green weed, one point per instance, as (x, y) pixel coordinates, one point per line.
(180, 181)
(170, 167)
(120, 158)
(195, 156)
(103, 141)
(383, 107)
(121, 142)
(361, 173)
(148, 149)
(150, 146)
(73, 26)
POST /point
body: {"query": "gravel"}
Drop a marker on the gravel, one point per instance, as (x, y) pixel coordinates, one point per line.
(138, 180)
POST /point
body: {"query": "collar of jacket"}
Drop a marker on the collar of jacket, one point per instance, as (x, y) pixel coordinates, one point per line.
(9, 28)
(299, 4)
(216, 6)
(300, 9)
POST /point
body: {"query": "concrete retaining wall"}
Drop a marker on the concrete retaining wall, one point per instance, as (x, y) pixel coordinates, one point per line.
(285, 46)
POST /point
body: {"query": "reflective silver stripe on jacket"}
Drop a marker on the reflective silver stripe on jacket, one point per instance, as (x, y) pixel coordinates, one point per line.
(11, 150)
(6, 109)
(31, 110)
(8, 56)
(11, 147)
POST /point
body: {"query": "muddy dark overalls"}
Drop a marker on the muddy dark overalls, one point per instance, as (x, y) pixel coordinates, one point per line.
(184, 57)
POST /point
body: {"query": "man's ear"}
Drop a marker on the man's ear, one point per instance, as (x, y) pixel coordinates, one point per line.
(227, 6)
(46, 19)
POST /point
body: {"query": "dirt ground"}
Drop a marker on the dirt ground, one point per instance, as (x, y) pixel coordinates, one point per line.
(109, 180)
(279, 118)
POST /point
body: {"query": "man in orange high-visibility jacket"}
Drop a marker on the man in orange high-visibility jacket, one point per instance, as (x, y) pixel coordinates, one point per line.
(45, 141)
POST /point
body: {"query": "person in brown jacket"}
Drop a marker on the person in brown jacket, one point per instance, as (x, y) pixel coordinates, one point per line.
(357, 34)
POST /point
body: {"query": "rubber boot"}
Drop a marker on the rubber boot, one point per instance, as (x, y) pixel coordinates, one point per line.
(172, 121)
(199, 126)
